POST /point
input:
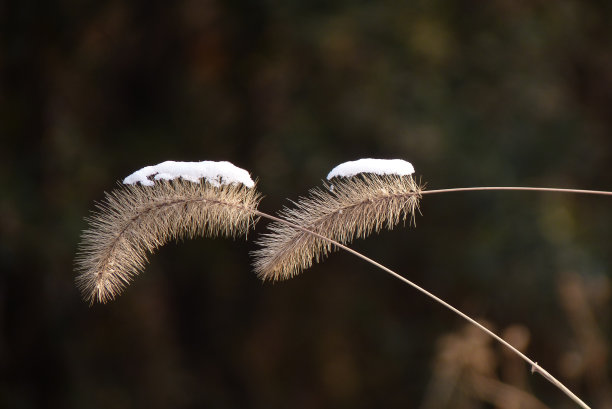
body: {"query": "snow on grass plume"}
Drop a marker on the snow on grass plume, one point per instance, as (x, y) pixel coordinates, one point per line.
(377, 166)
(215, 173)
(353, 207)
(154, 205)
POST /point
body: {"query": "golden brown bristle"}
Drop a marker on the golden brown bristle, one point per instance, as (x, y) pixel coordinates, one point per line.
(348, 208)
(134, 220)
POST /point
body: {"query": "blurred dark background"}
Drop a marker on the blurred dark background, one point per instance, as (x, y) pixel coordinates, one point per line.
(473, 93)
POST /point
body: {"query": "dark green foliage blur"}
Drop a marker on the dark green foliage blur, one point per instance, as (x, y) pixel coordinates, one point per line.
(473, 93)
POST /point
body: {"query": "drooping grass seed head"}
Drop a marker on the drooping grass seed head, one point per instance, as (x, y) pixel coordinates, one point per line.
(359, 198)
(157, 204)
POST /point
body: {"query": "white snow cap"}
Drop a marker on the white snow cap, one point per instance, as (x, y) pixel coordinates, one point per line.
(379, 166)
(215, 173)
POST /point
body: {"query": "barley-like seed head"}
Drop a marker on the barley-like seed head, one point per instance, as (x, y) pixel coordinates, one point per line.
(134, 220)
(345, 209)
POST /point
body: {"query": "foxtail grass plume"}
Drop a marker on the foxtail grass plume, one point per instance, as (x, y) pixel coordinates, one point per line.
(359, 198)
(156, 204)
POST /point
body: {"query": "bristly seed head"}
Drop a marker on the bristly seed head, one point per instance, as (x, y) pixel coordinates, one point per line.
(355, 207)
(134, 220)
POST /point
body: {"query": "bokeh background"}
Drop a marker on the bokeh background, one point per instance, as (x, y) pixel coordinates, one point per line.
(473, 93)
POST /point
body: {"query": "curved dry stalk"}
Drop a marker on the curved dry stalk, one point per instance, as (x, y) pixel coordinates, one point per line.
(535, 368)
(134, 220)
(342, 211)
(312, 227)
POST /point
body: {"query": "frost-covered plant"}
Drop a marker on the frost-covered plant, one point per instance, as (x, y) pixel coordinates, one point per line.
(183, 199)
(347, 209)
(157, 204)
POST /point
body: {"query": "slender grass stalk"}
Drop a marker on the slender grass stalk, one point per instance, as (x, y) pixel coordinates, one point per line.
(518, 188)
(534, 365)
(327, 206)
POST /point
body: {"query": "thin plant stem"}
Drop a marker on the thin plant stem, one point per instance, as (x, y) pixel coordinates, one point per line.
(518, 188)
(534, 365)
